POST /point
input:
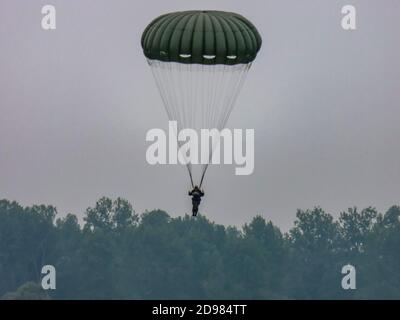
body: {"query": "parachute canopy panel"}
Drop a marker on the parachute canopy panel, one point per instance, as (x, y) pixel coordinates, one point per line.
(201, 37)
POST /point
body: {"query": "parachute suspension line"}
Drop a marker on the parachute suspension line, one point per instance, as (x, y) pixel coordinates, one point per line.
(218, 92)
(212, 93)
(186, 106)
(161, 89)
(218, 85)
(232, 99)
(234, 86)
(199, 97)
(203, 174)
(191, 178)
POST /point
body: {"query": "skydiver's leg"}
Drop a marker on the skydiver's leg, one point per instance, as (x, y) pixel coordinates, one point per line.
(195, 207)
(195, 210)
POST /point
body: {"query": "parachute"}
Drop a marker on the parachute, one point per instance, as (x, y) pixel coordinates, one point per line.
(199, 60)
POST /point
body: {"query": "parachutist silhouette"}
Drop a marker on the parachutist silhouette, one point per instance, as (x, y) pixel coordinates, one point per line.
(196, 195)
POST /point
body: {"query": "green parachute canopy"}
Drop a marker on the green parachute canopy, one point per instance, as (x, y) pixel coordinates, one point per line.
(201, 37)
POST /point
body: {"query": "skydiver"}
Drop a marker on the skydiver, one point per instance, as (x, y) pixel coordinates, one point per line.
(196, 195)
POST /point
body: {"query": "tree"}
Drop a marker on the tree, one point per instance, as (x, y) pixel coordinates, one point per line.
(28, 291)
(314, 269)
(117, 254)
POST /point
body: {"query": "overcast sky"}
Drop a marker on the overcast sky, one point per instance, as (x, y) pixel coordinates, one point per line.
(76, 103)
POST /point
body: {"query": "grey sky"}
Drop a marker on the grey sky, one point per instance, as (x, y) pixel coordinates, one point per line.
(76, 103)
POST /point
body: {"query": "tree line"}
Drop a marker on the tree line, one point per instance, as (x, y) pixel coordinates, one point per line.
(118, 254)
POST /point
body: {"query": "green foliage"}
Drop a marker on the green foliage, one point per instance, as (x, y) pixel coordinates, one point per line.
(117, 254)
(28, 291)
